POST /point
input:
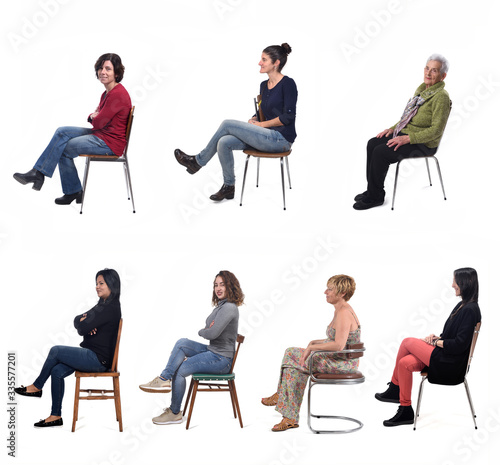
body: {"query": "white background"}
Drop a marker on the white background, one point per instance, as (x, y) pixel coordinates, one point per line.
(189, 65)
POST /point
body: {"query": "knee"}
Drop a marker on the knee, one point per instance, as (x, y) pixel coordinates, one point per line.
(181, 342)
(223, 143)
(54, 351)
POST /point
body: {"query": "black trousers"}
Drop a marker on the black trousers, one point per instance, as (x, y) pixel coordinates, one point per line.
(379, 157)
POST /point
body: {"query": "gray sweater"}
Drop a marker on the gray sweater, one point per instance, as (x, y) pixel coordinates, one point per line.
(222, 334)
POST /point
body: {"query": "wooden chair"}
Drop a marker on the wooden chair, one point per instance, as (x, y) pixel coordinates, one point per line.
(258, 154)
(424, 373)
(428, 171)
(115, 159)
(226, 384)
(352, 351)
(113, 373)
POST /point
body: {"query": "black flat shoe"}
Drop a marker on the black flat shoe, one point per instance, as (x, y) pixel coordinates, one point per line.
(225, 192)
(390, 395)
(22, 392)
(187, 160)
(66, 199)
(404, 416)
(361, 196)
(367, 203)
(33, 176)
(48, 424)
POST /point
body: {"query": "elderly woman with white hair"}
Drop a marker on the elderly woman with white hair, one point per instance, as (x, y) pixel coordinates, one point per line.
(417, 133)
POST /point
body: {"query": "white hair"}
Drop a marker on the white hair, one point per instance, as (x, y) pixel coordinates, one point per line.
(445, 65)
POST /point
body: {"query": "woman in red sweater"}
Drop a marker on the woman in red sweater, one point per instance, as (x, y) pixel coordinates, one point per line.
(107, 137)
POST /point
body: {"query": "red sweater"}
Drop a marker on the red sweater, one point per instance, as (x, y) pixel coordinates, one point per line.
(110, 124)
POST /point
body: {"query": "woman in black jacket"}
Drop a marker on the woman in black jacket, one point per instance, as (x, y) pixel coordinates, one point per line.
(99, 328)
(446, 355)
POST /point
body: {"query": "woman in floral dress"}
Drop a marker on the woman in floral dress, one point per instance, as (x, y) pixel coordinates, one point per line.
(343, 329)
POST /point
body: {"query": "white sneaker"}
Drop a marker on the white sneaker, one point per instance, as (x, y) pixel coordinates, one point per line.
(168, 418)
(157, 385)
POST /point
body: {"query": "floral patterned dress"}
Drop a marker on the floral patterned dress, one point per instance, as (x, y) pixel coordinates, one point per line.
(293, 378)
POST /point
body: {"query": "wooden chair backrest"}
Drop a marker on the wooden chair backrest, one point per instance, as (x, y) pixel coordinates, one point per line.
(114, 366)
(473, 345)
(239, 340)
(129, 129)
(261, 113)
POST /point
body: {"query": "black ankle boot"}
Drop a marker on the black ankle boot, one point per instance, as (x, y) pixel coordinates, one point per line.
(390, 395)
(187, 160)
(404, 416)
(225, 192)
(33, 176)
(66, 199)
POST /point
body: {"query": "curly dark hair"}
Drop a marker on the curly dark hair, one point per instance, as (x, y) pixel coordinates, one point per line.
(234, 293)
(115, 59)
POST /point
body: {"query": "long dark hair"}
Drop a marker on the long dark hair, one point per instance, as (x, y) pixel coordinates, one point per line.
(466, 279)
(278, 52)
(112, 280)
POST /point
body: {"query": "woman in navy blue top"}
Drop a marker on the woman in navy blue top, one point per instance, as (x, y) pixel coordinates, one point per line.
(275, 134)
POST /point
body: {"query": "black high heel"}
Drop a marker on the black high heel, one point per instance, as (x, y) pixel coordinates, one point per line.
(34, 176)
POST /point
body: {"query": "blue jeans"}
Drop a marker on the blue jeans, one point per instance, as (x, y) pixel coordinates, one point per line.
(236, 135)
(62, 361)
(199, 360)
(67, 143)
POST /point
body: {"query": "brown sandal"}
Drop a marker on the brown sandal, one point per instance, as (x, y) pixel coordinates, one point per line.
(270, 401)
(285, 424)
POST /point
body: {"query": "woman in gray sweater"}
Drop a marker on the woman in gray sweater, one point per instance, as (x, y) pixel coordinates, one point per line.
(188, 357)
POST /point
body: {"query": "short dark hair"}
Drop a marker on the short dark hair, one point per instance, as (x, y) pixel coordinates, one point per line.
(112, 280)
(115, 59)
(278, 52)
(466, 279)
(234, 293)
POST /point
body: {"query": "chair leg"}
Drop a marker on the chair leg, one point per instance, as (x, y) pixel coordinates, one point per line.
(126, 179)
(395, 184)
(75, 407)
(440, 177)
(127, 170)
(428, 170)
(283, 182)
(231, 393)
(258, 171)
(118, 402)
(420, 392)
(85, 177)
(470, 402)
(288, 171)
(233, 386)
(188, 397)
(195, 390)
(244, 178)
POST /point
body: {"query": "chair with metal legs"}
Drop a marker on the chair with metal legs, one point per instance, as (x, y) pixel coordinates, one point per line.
(343, 379)
(424, 374)
(428, 171)
(112, 158)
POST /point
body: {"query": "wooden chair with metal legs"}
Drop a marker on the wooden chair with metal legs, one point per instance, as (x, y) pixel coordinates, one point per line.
(344, 379)
(424, 374)
(112, 159)
(225, 383)
(428, 171)
(103, 393)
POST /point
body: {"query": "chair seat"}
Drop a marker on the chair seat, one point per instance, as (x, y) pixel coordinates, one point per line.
(212, 377)
(257, 153)
(104, 157)
(83, 374)
(355, 375)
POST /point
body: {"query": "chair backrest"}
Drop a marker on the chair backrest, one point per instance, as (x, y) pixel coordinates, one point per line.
(445, 126)
(239, 340)
(129, 129)
(114, 366)
(261, 113)
(473, 346)
(358, 347)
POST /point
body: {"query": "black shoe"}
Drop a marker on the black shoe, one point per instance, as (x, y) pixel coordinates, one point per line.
(22, 392)
(390, 395)
(48, 424)
(367, 203)
(187, 160)
(404, 416)
(66, 199)
(361, 196)
(33, 176)
(225, 192)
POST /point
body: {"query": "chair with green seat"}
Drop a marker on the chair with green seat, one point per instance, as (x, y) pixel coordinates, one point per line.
(215, 383)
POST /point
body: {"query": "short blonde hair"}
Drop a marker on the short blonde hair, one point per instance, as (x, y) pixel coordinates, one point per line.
(343, 284)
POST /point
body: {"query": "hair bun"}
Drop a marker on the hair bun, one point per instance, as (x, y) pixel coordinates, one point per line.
(287, 48)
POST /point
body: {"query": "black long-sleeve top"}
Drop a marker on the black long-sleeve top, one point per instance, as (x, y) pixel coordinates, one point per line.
(105, 317)
(449, 364)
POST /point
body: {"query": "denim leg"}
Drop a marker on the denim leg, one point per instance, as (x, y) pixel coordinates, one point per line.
(246, 135)
(61, 362)
(183, 348)
(206, 362)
